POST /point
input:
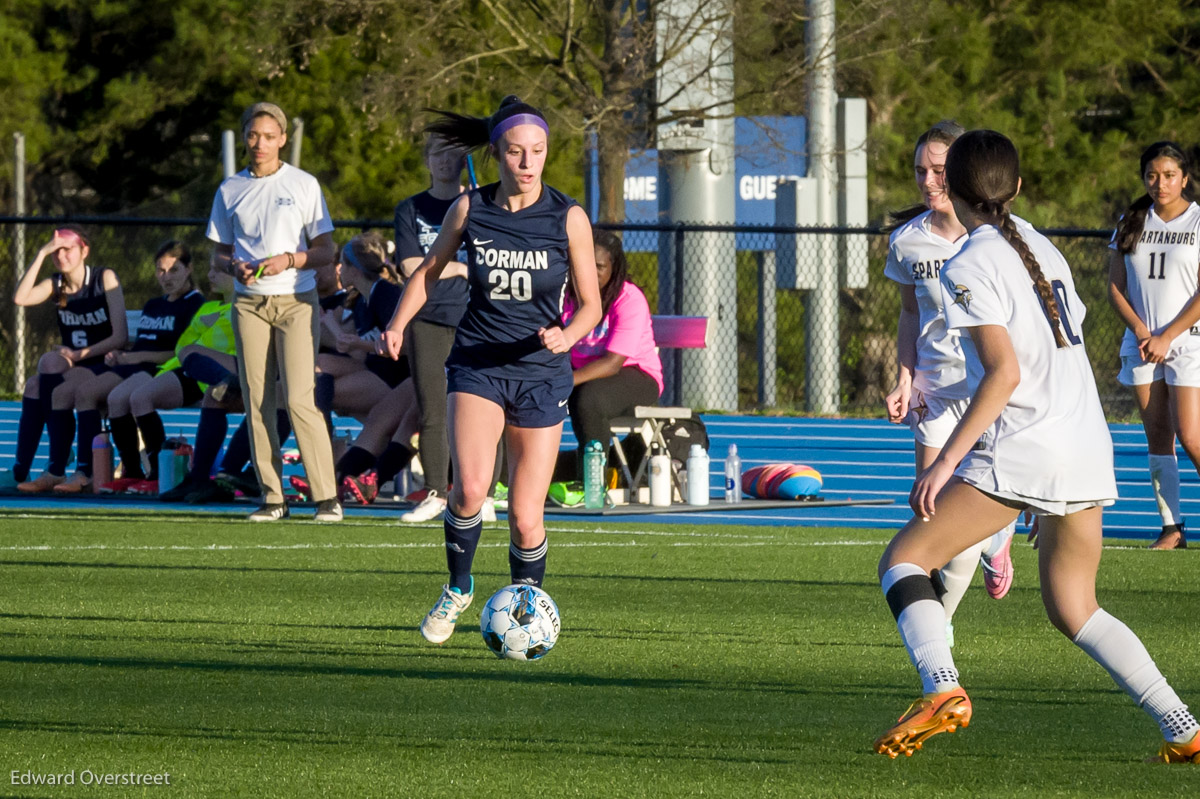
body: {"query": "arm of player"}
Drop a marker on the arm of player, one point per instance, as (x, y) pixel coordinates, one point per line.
(582, 253)
(424, 277)
(606, 365)
(1156, 347)
(115, 299)
(30, 291)
(1118, 286)
(1001, 374)
(907, 332)
(452, 269)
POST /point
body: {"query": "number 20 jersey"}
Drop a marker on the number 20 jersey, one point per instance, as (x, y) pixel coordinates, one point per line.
(1160, 273)
(517, 270)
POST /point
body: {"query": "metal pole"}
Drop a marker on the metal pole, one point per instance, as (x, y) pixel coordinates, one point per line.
(297, 140)
(19, 259)
(766, 328)
(228, 154)
(821, 313)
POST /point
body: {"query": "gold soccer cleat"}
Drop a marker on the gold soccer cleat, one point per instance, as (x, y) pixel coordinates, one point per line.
(928, 716)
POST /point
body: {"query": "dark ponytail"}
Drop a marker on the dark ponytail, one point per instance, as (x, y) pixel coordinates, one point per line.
(472, 133)
(983, 170)
(945, 132)
(1133, 221)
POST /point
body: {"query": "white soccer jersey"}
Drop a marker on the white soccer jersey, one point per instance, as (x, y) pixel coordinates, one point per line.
(1051, 441)
(1161, 272)
(269, 216)
(915, 258)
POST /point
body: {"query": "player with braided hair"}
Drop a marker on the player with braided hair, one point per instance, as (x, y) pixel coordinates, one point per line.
(1152, 284)
(931, 390)
(1033, 439)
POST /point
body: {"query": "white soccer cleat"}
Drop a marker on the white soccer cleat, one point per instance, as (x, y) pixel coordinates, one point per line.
(430, 508)
(439, 623)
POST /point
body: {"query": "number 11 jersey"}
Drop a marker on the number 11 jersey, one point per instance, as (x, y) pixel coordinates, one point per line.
(517, 270)
(1161, 272)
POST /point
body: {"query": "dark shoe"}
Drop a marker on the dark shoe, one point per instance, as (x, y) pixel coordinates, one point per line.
(209, 491)
(179, 493)
(328, 510)
(228, 390)
(1171, 539)
(243, 482)
(270, 512)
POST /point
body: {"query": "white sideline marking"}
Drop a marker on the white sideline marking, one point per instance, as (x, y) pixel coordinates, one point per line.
(422, 545)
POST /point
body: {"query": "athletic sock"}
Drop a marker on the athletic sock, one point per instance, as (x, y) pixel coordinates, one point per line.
(210, 435)
(462, 537)
(528, 566)
(153, 436)
(994, 544)
(956, 576)
(62, 433)
(323, 398)
(46, 386)
(89, 427)
(1114, 646)
(125, 442)
(204, 369)
(237, 454)
(29, 435)
(356, 461)
(283, 425)
(393, 459)
(921, 620)
(1164, 476)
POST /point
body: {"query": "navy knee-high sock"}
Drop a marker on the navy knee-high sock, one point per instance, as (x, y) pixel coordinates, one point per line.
(393, 459)
(283, 425)
(462, 537)
(323, 397)
(356, 461)
(62, 433)
(153, 436)
(125, 442)
(89, 428)
(204, 369)
(237, 454)
(29, 435)
(210, 435)
(528, 566)
(46, 386)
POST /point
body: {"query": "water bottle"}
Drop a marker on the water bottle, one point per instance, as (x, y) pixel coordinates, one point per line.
(660, 477)
(594, 460)
(167, 479)
(697, 476)
(102, 462)
(733, 475)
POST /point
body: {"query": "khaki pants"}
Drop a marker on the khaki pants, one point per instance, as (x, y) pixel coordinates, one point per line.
(278, 335)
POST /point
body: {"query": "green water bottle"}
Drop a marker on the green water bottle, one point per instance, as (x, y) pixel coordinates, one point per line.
(593, 475)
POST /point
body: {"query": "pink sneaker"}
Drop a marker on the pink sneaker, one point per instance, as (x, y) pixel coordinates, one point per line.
(998, 571)
(301, 486)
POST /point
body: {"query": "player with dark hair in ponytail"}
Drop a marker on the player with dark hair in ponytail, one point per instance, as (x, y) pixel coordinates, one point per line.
(931, 373)
(509, 371)
(1152, 284)
(1033, 439)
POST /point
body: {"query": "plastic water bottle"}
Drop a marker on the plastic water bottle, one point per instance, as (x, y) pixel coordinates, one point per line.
(593, 475)
(733, 475)
(697, 476)
(660, 477)
(167, 479)
(102, 462)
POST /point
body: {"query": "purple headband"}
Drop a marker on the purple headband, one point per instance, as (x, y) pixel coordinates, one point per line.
(517, 119)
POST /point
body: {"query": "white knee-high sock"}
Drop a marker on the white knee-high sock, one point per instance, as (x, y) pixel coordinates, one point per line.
(956, 576)
(994, 544)
(922, 626)
(1115, 647)
(1164, 476)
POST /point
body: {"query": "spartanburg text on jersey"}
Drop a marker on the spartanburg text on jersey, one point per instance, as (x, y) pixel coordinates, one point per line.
(1051, 441)
(517, 269)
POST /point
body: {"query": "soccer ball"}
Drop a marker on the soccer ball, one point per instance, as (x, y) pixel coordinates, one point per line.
(519, 622)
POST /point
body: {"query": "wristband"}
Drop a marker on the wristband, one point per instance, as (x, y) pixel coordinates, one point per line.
(291, 260)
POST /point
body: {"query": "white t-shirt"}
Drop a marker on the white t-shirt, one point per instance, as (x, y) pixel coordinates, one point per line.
(1161, 273)
(268, 216)
(915, 258)
(1051, 441)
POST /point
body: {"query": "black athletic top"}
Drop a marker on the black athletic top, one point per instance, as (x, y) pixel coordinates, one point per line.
(418, 221)
(517, 269)
(163, 322)
(84, 321)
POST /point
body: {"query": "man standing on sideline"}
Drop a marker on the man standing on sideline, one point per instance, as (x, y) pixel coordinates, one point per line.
(273, 232)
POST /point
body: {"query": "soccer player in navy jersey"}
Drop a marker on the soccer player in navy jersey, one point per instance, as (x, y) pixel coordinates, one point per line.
(509, 371)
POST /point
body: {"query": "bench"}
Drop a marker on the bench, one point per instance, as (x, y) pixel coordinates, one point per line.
(670, 332)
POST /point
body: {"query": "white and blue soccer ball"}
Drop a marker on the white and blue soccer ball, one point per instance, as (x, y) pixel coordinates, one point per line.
(520, 622)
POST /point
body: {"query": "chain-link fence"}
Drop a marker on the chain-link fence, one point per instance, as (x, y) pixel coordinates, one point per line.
(772, 303)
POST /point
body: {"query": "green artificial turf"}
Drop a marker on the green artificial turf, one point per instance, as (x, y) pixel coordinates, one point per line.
(283, 660)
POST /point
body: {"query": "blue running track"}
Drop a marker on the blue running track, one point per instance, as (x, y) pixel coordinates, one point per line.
(859, 459)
